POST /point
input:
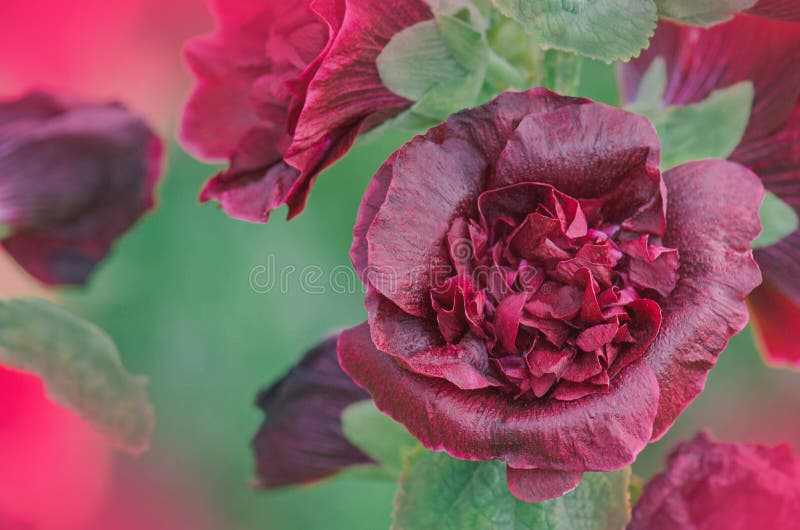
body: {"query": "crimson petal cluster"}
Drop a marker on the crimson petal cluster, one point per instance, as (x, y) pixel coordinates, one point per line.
(538, 293)
(74, 177)
(283, 90)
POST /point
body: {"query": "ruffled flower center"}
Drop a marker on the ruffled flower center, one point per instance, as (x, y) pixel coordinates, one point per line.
(563, 299)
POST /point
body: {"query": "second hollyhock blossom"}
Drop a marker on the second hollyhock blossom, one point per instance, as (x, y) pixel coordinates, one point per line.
(710, 485)
(539, 293)
(283, 89)
(764, 52)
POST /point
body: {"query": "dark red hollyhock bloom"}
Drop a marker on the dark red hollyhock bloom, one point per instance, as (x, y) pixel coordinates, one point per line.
(283, 90)
(777, 9)
(74, 177)
(765, 52)
(538, 293)
(710, 486)
(301, 439)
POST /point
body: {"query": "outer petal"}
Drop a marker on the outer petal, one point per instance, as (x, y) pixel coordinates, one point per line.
(407, 246)
(537, 485)
(712, 218)
(710, 486)
(776, 159)
(74, 177)
(373, 198)
(775, 318)
(615, 157)
(347, 87)
(301, 439)
(602, 432)
(779, 9)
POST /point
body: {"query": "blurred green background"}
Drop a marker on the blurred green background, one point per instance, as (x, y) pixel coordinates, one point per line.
(176, 296)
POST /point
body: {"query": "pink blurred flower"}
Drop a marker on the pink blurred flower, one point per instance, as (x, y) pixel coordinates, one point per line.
(59, 474)
(122, 50)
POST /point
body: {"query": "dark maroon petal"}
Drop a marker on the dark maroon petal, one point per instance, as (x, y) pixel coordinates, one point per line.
(712, 219)
(616, 155)
(775, 318)
(74, 177)
(407, 248)
(346, 88)
(711, 486)
(537, 485)
(601, 432)
(373, 198)
(778, 9)
(301, 439)
(702, 60)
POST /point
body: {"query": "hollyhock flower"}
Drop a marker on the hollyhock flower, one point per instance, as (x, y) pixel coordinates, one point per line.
(301, 439)
(710, 485)
(765, 52)
(283, 89)
(539, 294)
(74, 177)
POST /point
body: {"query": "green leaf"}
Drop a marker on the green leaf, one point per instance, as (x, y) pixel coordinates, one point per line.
(608, 30)
(702, 12)
(416, 60)
(778, 220)
(440, 64)
(438, 492)
(80, 367)
(561, 72)
(712, 128)
(380, 437)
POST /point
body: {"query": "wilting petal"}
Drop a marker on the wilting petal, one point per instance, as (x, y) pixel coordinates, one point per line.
(74, 177)
(711, 486)
(489, 425)
(301, 439)
(537, 485)
(712, 219)
(775, 318)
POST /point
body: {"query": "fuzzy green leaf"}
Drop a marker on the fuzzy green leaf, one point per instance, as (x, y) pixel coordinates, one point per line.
(608, 30)
(711, 128)
(438, 492)
(80, 367)
(778, 220)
